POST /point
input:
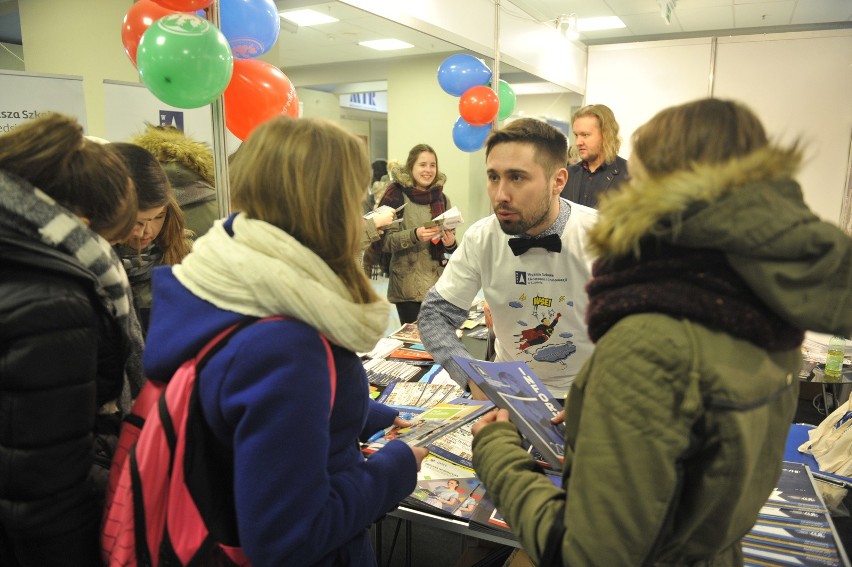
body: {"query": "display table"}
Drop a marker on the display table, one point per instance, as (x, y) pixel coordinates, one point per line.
(832, 388)
(798, 435)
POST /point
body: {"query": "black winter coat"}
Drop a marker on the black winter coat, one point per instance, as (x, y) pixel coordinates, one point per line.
(61, 359)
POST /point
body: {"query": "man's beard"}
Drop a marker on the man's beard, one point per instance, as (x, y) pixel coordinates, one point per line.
(525, 221)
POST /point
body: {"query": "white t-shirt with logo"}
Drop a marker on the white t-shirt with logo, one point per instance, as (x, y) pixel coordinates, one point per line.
(538, 299)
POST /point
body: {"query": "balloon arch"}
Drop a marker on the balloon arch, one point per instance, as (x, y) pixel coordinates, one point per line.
(187, 62)
(469, 78)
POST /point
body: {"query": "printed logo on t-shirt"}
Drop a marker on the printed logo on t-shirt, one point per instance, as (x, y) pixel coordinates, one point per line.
(521, 278)
(538, 337)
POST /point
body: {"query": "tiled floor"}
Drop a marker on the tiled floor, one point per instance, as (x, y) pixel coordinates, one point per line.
(381, 287)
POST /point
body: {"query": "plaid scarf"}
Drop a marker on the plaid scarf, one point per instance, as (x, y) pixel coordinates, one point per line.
(434, 197)
(139, 263)
(32, 213)
(693, 284)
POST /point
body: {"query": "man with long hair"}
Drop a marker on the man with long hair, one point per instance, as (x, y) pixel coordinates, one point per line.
(600, 167)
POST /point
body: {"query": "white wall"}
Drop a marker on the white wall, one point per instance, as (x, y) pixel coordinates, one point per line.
(637, 80)
(557, 106)
(798, 84)
(78, 37)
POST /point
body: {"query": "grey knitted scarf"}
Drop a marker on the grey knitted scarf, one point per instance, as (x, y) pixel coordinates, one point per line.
(34, 214)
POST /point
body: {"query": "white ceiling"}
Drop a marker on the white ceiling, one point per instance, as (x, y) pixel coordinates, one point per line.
(335, 46)
(697, 18)
(338, 42)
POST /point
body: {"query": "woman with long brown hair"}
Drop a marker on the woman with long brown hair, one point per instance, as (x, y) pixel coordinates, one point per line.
(417, 246)
(159, 237)
(70, 345)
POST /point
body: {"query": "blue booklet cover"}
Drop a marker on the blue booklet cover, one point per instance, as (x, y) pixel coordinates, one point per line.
(513, 386)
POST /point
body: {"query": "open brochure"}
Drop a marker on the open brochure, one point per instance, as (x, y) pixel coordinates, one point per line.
(428, 425)
(513, 386)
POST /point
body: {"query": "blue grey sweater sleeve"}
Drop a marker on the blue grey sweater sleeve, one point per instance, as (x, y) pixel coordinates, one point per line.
(437, 324)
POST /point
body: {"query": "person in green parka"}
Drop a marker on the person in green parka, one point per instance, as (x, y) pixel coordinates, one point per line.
(710, 268)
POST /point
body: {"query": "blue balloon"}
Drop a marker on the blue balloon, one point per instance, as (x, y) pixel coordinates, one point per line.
(469, 138)
(251, 26)
(461, 71)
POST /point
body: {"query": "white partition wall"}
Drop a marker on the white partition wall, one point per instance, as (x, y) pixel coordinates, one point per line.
(129, 106)
(637, 80)
(799, 84)
(801, 87)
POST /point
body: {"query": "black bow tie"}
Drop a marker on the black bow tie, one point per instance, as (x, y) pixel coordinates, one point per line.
(551, 242)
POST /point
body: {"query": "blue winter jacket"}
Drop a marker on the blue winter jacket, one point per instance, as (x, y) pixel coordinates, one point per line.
(304, 493)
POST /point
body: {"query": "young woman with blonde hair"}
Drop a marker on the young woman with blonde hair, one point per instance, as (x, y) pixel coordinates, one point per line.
(302, 492)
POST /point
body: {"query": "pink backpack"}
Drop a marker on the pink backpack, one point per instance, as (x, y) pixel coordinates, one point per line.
(170, 497)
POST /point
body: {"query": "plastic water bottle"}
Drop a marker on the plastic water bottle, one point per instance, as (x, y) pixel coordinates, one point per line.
(834, 358)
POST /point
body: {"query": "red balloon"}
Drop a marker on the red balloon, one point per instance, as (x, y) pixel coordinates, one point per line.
(139, 18)
(479, 105)
(257, 92)
(184, 5)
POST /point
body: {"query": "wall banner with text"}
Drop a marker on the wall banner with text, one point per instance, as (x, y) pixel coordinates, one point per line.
(24, 96)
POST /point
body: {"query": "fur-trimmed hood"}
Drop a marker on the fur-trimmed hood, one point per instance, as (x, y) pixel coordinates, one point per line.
(752, 211)
(172, 146)
(399, 175)
(681, 207)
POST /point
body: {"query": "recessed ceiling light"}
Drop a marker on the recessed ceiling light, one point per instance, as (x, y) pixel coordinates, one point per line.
(385, 44)
(601, 23)
(307, 17)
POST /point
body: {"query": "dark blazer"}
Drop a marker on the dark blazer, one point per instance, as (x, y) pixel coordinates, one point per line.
(579, 189)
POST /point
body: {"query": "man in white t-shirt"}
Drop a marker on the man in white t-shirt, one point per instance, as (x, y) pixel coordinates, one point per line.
(529, 258)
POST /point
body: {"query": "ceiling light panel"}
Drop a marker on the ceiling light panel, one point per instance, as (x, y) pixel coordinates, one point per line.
(385, 44)
(307, 17)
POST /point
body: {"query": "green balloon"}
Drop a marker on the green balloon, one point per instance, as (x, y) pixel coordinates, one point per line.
(507, 100)
(184, 60)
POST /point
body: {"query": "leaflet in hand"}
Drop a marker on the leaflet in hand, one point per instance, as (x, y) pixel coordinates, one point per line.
(513, 386)
(449, 219)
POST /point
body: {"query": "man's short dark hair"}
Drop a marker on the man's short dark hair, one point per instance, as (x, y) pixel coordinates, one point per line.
(550, 145)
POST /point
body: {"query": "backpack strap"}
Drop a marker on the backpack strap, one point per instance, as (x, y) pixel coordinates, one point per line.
(332, 370)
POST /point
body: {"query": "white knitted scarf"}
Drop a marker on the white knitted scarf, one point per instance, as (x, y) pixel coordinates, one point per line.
(262, 271)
